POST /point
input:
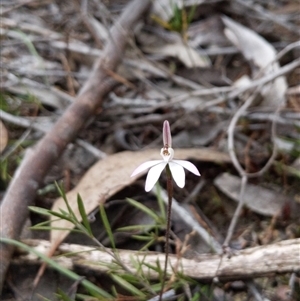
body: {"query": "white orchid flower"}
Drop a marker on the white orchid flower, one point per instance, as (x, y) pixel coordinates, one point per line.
(157, 166)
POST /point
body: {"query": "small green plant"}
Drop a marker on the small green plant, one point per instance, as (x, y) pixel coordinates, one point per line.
(182, 17)
(136, 284)
(90, 287)
(149, 233)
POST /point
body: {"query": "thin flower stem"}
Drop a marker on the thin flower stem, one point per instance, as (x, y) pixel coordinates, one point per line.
(167, 244)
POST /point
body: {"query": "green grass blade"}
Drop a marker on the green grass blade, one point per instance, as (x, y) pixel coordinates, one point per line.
(39, 210)
(139, 228)
(92, 288)
(49, 228)
(63, 296)
(64, 197)
(128, 286)
(107, 226)
(143, 208)
(84, 217)
(47, 212)
(142, 238)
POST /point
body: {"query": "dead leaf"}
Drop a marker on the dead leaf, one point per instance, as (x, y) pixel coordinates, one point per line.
(258, 199)
(112, 174)
(260, 52)
(186, 54)
(3, 136)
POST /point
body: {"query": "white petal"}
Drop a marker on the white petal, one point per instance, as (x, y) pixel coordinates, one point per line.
(177, 174)
(145, 166)
(188, 165)
(153, 175)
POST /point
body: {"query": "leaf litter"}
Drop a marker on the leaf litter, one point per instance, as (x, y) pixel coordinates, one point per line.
(197, 76)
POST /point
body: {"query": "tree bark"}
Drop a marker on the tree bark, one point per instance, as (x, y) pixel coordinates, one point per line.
(30, 175)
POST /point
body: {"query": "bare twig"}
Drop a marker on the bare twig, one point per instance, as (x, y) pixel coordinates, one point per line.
(239, 168)
(29, 177)
(232, 153)
(281, 257)
(33, 124)
(231, 127)
(234, 158)
(236, 213)
(233, 91)
(236, 163)
(270, 16)
(15, 6)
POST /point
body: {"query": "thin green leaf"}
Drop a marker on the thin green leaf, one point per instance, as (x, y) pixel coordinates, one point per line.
(63, 212)
(92, 289)
(114, 291)
(138, 228)
(64, 197)
(142, 238)
(107, 226)
(84, 217)
(137, 264)
(47, 228)
(191, 14)
(42, 224)
(196, 297)
(63, 296)
(128, 286)
(39, 210)
(60, 190)
(65, 217)
(153, 267)
(148, 245)
(143, 208)
(85, 297)
(131, 278)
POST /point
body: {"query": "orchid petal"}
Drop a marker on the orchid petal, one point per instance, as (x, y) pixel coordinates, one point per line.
(144, 166)
(167, 138)
(188, 165)
(178, 174)
(153, 175)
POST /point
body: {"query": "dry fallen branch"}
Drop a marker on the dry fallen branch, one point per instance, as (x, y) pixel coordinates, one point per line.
(281, 257)
(29, 177)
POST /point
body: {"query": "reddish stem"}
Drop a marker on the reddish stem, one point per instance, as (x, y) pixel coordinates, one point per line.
(169, 211)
